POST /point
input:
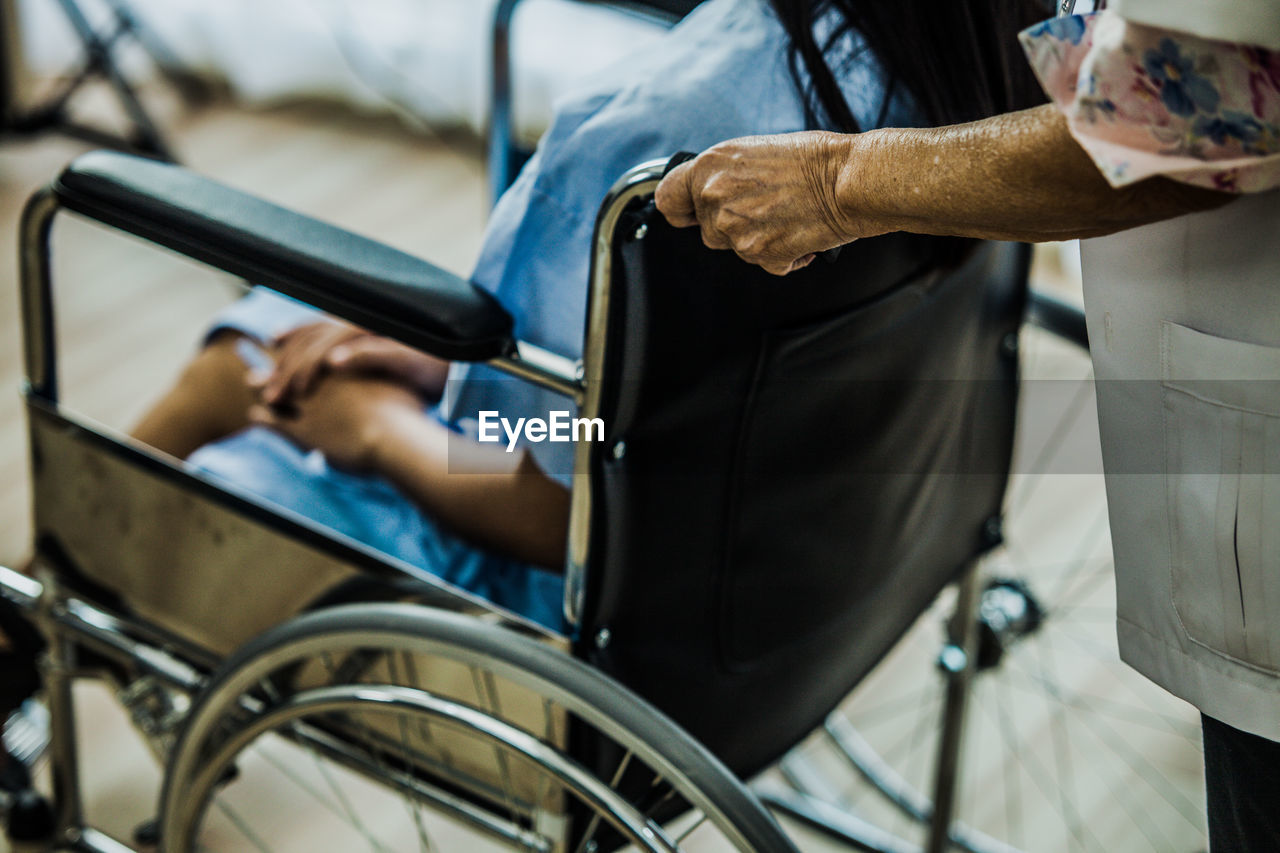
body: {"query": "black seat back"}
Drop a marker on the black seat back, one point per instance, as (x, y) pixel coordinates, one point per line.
(805, 462)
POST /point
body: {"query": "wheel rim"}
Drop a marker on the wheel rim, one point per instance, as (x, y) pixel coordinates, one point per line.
(384, 722)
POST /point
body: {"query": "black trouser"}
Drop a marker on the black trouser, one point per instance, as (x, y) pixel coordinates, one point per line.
(18, 678)
(1242, 780)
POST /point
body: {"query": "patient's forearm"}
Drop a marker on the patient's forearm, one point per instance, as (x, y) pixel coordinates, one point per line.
(499, 500)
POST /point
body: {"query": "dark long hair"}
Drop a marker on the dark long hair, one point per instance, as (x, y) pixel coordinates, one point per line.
(959, 60)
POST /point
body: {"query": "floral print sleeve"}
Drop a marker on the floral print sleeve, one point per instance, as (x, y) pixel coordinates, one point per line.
(1144, 101)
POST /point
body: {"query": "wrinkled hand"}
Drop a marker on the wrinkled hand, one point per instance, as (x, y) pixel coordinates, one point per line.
(345, 417)
(771, 199)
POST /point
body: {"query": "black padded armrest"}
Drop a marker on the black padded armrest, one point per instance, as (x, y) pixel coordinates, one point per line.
(366, 282)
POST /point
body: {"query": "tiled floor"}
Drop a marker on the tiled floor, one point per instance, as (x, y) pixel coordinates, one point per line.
(1068, 750)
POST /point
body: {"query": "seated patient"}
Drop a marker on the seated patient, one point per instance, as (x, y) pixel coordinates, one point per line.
(726, 70)
(389, 476)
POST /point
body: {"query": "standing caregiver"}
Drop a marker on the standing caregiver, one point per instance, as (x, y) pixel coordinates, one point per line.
(1161, 145)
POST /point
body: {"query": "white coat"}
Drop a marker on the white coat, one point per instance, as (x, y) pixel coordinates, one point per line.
(1184, 329)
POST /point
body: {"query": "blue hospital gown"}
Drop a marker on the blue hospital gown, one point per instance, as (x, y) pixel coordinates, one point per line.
(723, 72)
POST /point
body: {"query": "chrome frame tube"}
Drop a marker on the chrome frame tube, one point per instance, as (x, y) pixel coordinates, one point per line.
(542, 367)
(57, 668)
(501, 115)
(640, 181)
(962, 633)
(110, 636)
(66, 623)
(90, 840)
(19, 590)
(839, 824)
(37, 294)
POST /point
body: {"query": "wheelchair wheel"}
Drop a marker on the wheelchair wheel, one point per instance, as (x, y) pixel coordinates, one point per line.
(394, 727)
(1065, 748)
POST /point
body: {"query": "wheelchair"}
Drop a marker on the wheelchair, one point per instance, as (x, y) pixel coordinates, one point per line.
(774, 504)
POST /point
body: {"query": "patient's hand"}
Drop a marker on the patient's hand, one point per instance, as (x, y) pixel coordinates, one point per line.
(300, 356)
(344, 417)
(373, 355)
(307, 353)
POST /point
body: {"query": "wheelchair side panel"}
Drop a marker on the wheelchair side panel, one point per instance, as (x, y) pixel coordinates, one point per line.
(196, 569)
(201, 562)
(117, 523)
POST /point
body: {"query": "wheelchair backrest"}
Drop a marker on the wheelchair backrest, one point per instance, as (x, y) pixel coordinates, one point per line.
(794, 468)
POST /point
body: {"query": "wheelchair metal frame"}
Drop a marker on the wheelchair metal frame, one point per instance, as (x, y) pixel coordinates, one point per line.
(161, 664)
(163, 660)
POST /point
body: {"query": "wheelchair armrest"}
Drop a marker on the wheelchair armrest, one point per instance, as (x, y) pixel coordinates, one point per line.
(368, 283)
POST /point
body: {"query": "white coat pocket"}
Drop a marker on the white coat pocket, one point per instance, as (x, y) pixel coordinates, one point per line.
(1222, 454)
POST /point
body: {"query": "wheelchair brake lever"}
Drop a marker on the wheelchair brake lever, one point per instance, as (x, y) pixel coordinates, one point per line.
(829, 255)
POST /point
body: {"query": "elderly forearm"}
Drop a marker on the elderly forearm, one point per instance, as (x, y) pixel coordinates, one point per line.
(1018, 176)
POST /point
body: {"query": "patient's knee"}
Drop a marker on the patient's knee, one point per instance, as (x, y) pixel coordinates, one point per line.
(209, 400)
(218, 368)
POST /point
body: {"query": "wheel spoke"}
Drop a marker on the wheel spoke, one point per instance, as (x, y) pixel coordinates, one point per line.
(297, 779)
(683, 835)
(242, 826)
(1067, 786)
(1041, 779)
(415, 807)
(1012, 790)
(594, 824)
(424, 726)
(1054, 442)
(1137, 764)
(1147, 715)
(488, 697)
(354, 819)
